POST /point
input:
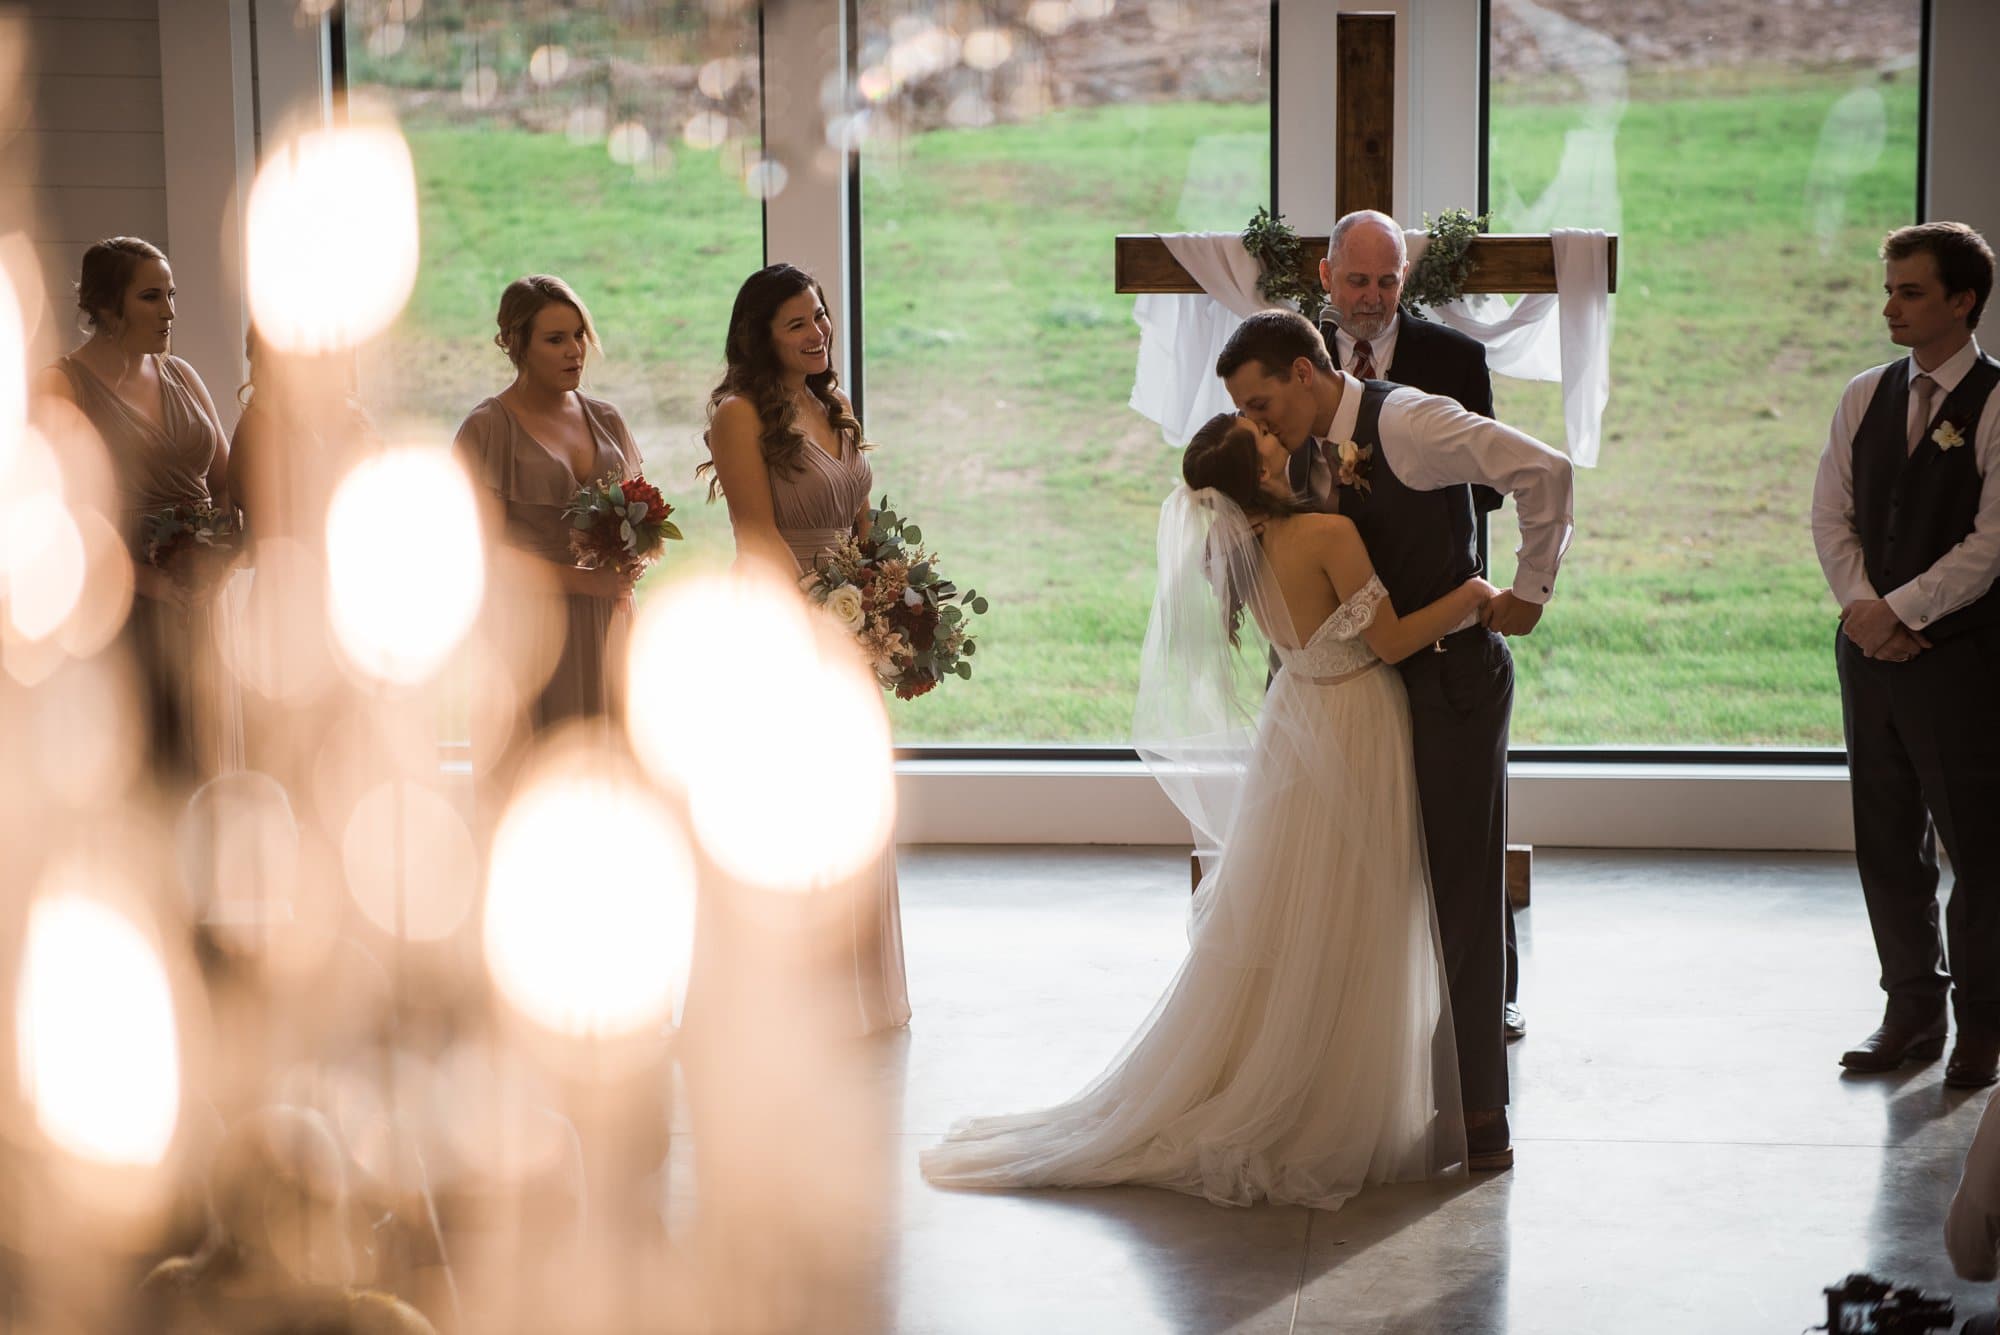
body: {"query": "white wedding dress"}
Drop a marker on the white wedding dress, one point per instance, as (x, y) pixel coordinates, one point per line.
(1304, 1048)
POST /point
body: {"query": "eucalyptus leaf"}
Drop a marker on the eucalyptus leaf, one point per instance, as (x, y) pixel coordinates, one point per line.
(979, 606)
(911, 533)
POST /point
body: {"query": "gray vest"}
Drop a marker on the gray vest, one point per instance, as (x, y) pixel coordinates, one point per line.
(1423, 544)
(1911, 507)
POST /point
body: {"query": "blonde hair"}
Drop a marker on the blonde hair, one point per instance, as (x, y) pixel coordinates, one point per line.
(523, 300)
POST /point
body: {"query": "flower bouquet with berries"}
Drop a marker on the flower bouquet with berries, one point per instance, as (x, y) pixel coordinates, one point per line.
(620, 526)
(192, 543)
(884, 586)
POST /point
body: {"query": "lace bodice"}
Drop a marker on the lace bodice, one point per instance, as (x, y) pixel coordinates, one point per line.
(1336, 649)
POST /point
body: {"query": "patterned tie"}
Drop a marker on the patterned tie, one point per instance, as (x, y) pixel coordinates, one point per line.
(1921, 389)
(1301, 468)
(1364, 360)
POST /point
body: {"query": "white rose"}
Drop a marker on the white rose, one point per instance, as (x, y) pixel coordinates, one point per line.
(845, 605)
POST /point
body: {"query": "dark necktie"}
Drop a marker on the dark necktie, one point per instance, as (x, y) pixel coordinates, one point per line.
(1921, 389)
(1364, 360)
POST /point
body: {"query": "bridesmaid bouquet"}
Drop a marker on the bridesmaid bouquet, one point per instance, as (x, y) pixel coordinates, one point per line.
(620, 526)
(909, 620)
(193, 543)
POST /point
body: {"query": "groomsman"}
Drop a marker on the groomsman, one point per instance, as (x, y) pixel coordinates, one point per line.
(1906, 519)
(1371, 338)
(1401, 464)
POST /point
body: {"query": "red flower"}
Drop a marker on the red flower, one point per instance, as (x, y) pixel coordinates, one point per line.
(910, 690)
(636, 488)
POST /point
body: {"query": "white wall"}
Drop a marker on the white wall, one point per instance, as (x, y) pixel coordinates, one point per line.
(81, 145)
(1964, 184)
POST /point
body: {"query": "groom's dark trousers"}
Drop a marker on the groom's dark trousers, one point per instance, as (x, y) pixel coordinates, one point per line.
(1461, 702)
(1423, 544)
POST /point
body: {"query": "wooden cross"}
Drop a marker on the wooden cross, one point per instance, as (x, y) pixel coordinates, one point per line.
(1364, 140)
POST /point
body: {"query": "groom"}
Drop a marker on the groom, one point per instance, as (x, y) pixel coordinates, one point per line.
(1372, 338)
(1403, 466)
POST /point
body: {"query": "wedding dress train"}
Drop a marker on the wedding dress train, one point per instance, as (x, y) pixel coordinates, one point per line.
(1304, 1048)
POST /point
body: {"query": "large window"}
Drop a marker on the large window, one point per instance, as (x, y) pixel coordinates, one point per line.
(1020, 139)
(1750, 158)
(613, 144)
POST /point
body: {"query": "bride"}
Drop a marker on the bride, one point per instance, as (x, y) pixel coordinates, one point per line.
(1304, 1048)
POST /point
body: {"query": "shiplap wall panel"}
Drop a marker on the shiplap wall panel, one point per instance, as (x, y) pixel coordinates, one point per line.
(86, 102)
(91, 9)
(82, 214)
(101, 47)
(82, 150)
(58, 158)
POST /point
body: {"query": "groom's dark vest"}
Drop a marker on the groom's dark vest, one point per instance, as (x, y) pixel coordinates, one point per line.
(1423, 543)
(1911, 507)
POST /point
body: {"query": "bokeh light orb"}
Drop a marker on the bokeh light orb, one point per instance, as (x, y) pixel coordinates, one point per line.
(331, 252)
(590, 897)
(763, 713)
(404, 564)
(99, 1054)
(409, 860)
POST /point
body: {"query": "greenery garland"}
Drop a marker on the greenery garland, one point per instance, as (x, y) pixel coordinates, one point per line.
(1275, 247)
(1439, 277)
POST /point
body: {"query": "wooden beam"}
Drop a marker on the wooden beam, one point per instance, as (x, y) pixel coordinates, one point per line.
(1364, 175)
(1500, 263)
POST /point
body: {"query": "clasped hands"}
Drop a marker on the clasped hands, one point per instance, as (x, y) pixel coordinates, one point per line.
(1504, 614)
(1879, 633)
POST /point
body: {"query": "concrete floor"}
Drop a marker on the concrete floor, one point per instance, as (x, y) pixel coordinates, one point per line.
(1690, 1157)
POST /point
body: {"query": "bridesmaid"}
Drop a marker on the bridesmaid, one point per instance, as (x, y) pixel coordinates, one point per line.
(530, 448)
(299, 422)
(165, 443)
(786, 451)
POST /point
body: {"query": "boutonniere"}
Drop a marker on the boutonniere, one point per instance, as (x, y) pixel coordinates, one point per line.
(1947, 436)
(1354, 461)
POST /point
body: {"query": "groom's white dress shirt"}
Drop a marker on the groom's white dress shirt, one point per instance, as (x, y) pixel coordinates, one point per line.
(1382, 349)
(1961, 574)
(1432, 442)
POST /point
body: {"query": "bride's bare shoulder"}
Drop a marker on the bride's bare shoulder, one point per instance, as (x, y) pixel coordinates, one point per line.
(1322, 529)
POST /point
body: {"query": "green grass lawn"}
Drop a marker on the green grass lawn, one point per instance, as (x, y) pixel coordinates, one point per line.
(998, 362)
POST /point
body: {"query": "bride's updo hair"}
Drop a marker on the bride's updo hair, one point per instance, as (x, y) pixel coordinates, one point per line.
(1223, 455)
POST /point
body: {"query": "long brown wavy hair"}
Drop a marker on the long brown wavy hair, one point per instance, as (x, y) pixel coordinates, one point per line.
(1222, 454)
(752, 371)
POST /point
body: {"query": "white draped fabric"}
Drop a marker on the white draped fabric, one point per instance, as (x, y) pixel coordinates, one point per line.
(1563, 336)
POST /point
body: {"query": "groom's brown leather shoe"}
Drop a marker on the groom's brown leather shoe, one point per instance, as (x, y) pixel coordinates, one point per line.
(1895, 1042)
(1489, 1147)
(1975, 1059)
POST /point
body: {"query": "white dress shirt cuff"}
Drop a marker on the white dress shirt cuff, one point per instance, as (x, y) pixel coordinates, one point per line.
(1532, 585)
(1910, 606)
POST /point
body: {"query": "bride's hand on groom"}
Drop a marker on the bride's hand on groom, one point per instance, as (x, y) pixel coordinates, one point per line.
(1505, 614)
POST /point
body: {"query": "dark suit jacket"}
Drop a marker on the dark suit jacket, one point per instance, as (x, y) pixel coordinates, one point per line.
(1438, 360)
